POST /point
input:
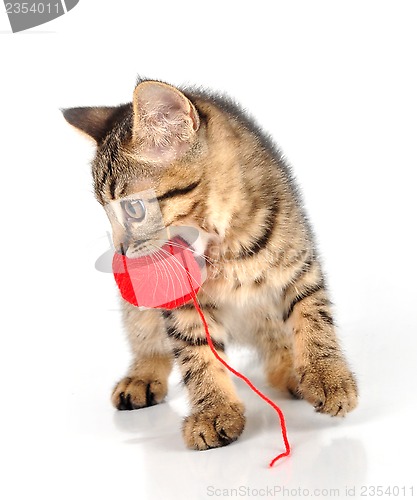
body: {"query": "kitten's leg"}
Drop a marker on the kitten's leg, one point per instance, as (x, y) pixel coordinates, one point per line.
(146, 382)
(325, 380)
(217, 414)
(278, 358)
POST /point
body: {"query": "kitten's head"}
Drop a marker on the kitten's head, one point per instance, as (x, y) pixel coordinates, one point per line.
(149, 166)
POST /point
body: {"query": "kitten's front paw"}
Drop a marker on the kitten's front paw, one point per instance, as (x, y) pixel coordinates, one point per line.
(214, 428)
(330, 387)
(132, 393)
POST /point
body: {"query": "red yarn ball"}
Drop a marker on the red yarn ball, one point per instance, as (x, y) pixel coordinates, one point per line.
(159, 280)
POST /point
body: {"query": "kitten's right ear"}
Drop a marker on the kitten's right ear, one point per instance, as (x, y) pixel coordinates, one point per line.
(95, 122)
(165, 122)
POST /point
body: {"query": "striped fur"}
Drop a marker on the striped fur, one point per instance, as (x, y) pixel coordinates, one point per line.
(214, 169)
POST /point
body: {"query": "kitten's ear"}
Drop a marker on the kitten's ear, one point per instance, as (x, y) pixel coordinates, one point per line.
(95, 122)
(165, 122)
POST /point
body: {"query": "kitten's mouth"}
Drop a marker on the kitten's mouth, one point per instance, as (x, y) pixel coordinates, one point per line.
(143, 248)
(153, 246)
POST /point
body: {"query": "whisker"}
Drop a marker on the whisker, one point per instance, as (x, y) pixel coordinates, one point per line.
(165, 265)
(180, 264)
(154, 262)
(207, 259)
(176, 245)
(200, 285)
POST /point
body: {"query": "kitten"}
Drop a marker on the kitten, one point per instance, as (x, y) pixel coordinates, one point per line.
(213, 169)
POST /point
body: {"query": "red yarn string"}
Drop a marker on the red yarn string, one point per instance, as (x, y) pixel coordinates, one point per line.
(238, 374)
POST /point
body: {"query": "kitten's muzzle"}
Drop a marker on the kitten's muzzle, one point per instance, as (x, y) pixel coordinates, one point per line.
(137, 247)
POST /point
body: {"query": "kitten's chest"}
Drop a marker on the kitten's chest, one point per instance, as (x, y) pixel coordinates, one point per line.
(257, 281)
(244, 287)
(244, 322)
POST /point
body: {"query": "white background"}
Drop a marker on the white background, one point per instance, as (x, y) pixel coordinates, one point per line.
(335, 84)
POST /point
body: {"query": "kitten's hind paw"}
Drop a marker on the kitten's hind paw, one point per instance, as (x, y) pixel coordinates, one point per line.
(132, 393)
(214, 428)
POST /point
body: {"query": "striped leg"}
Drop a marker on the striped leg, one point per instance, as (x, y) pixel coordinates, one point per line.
(217, 415)
(146, 382)
(325, 380)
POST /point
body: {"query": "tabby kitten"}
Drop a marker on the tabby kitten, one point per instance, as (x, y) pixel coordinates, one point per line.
(213, 169)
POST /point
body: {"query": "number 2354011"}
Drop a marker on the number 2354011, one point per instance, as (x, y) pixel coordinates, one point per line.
(33, 7)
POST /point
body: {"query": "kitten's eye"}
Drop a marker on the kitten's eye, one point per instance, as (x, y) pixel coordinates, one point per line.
(134, 209)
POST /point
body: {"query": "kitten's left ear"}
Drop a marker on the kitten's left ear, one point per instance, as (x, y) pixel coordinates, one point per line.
(95, 122)
(165, 122)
